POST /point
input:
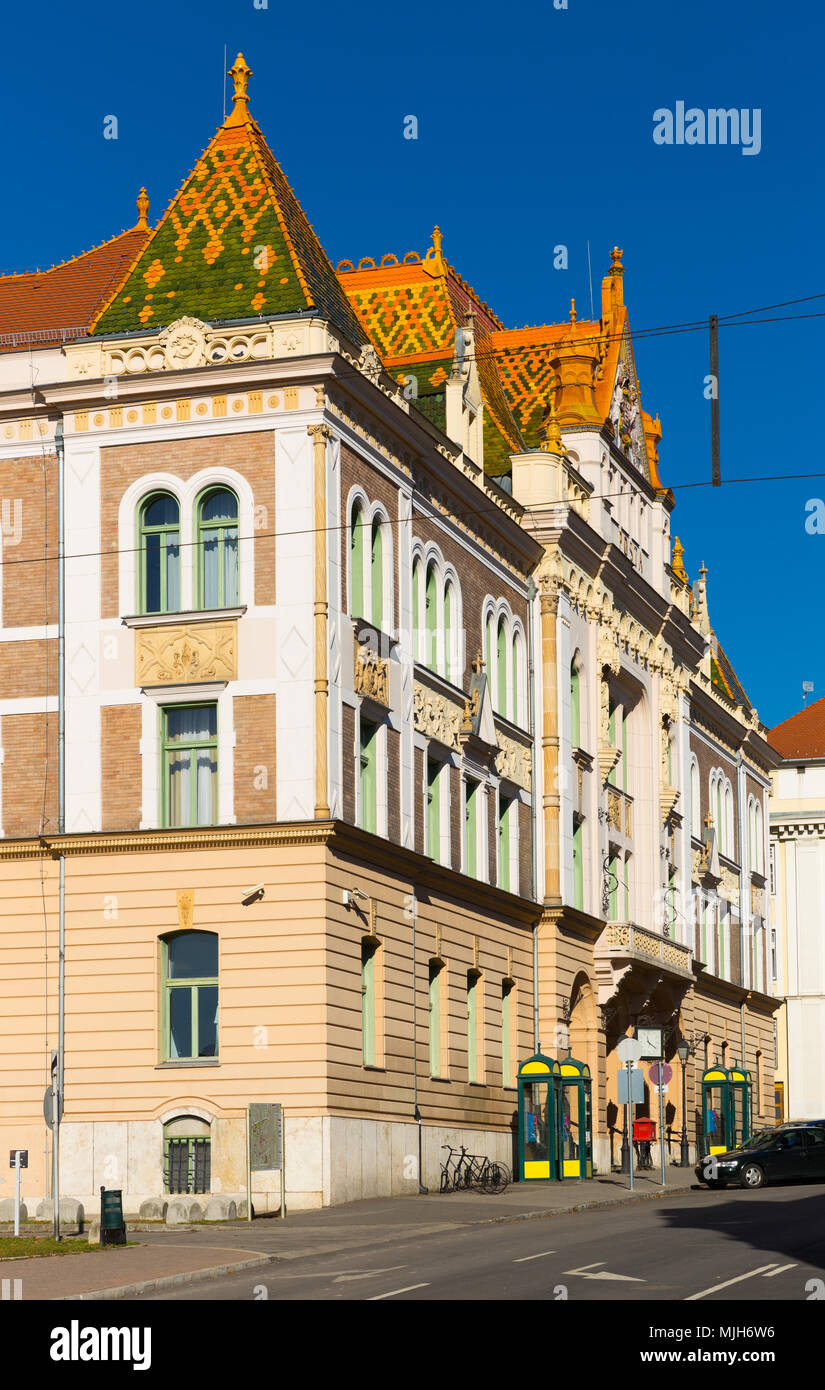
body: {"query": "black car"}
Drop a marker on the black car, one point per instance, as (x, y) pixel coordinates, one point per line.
(772, 1155)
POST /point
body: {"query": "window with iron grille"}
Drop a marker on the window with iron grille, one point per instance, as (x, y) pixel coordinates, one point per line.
(188, 1165)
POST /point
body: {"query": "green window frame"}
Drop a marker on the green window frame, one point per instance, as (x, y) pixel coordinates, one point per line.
(189, 996)
(614, 888)
(501, 669)
(670, 924)
(627, 864)
(578, 866)
(186, 799)
(624, 749)
(504, 830)
(368, 776)
(488, 649)
(377, 574)
(470, 829)
(448, 630)
(431, 617)
(435, 972)
(611, 734)
(473, 978)
(368, 953)
(720, 930)
(356, 586)
(720, 839)
(575, 706)
(516, 684)
(218, 574)
(189, 1155)
(416, 607)
(434, 809)
(159, 554)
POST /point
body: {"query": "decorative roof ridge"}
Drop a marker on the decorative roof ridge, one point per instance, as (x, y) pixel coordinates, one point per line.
(563, 326)
(58, 265)
(388, 261)
(465, 285)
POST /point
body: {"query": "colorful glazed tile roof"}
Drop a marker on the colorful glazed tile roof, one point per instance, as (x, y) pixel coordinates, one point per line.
(233, 243)
(803, 735)
(725, 678)
(38, 306)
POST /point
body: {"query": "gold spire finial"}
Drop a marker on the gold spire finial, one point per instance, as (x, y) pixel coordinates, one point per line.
(142, 208)
(616, 257)
(677, 564)
(550, 431)
(434, 263)
(240, 73)
(573, 314)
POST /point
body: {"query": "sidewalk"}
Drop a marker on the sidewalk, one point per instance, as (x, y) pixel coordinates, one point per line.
(176, 1255)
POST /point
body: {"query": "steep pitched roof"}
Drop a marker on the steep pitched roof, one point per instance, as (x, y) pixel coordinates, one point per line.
(803, 734)
(411, 310)
(233, 243)
(41, 305)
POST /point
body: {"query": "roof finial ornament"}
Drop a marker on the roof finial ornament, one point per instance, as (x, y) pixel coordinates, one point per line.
(573, 314)
(142, 224)
(434, 263)
(677, 563)
(240, 73)
(616, 257)
(551, 433)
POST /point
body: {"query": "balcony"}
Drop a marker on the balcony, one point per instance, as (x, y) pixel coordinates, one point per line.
(623, 947)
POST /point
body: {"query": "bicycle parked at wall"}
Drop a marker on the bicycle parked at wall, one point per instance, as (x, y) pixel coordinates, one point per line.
(473, 1172)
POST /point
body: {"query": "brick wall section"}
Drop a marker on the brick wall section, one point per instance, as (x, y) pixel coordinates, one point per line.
(708, 759)
(24, 771)
(476, 581)
(356, 471)
(251, 455)
(255, 759)
(121, 785)
(29, 583)
(456, 823)
(394, 785)
(525, 853)
(348, 761)
(420, 800)
(28, 670)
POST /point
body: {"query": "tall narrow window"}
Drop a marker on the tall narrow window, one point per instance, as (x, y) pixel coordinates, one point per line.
(448, 631)
(624, 749)
(507, 1020)
(695, 803)
(436, 969)
(187, 1155)
(368, 952)
(611, 733)
(356, 566)
(472, 1025)
(434, 809)
(159, 545)
(578, 866)
(501, 669)
(628, 861)
(720, 831)
(670, 920)
(368, 776)
(470, 830)
(431, 600)
(515, 710)
(189, 783)
(377, 573)
(189, 965)
(416, 598)
(218, 549)
(575, 708)
(505, 810)
(488, 650)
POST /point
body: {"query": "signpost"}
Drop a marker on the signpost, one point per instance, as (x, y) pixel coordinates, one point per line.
(265, 1147)
(630, 1051)
(18, 1158)
(660, 1074)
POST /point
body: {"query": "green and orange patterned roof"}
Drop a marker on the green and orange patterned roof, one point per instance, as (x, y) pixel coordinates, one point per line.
(233, 243)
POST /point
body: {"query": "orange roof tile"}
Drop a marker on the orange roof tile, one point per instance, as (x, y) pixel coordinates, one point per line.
(803, 735)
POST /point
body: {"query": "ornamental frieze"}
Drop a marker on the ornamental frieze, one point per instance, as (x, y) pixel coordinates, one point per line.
(371, 676)
(172, 655)
(436, 717)
(514, 763)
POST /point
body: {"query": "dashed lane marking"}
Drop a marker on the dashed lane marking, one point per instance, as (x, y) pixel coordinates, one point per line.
(540, 1256)
(781, 1270)
(691, 1298)
(392, 1293)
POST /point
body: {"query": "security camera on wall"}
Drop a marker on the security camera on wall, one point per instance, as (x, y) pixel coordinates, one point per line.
(253, 895)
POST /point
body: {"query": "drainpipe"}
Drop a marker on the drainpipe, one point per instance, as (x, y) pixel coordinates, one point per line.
(532, 591)
(61, 815)
(416, 1112)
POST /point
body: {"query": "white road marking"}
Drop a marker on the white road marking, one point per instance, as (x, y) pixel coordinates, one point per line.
(393, 1292)
(367, 1274)
(691, 1298)
(603, 1274)
(540, 1256)
(780, 1270)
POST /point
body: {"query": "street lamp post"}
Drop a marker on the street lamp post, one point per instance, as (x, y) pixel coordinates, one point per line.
(683, 1051)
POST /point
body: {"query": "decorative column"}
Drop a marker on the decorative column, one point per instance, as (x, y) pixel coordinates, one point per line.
(550, 737)
(319, 435)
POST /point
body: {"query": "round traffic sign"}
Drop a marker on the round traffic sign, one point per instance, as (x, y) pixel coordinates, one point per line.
(630, 1050)
(661, 1073)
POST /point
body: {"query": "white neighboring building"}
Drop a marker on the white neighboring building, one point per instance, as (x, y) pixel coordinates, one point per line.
(797, 886)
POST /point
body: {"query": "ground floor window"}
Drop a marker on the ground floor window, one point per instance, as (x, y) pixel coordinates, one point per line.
(187, 1155)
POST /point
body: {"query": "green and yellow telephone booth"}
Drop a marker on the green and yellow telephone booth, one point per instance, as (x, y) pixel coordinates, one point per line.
(727, 1109)
(576, 1128)
(539, 1118)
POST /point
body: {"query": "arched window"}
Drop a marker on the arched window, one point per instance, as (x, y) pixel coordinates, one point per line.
(377, 574)
(729, 838)
(501, 669)
(760, 858)
(516, 711)
(431, 613)
(695, 802)
(720, 831)
(356, 583)
(159, 546)
(187, 1155)
(416, 601)
(488, 650)
(448, 630)
(217, 549)
(189, 966)
(575, 707)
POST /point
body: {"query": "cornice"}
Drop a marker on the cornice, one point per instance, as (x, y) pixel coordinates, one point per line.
(142, 841)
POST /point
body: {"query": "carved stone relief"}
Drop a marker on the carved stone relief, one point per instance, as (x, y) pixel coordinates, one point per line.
(170, 655)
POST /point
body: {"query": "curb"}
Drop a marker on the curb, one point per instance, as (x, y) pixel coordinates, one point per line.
(169, 1281)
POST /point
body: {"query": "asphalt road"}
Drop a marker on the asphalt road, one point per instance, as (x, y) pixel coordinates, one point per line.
(703, 1246)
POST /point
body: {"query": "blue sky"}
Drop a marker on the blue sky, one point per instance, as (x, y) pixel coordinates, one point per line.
(535, 128)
